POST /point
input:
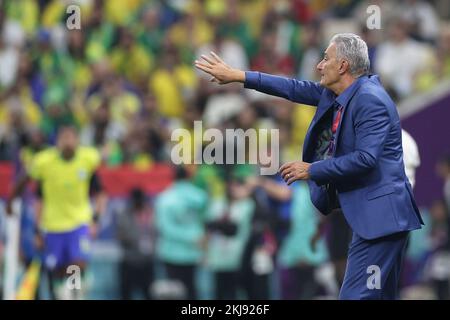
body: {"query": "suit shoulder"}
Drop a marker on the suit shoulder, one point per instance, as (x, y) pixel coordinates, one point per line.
(374, 95)
(376, 92)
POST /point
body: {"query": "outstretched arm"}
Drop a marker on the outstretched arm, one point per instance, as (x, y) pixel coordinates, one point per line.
(306, 92)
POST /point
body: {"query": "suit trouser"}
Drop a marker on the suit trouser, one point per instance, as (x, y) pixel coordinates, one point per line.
(373, 267)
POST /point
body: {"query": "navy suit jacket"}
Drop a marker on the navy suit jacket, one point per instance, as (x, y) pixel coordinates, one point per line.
(367, 169)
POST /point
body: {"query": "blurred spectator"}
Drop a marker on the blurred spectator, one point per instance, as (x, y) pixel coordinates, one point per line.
(29, 84)
(180, 218)
(411, 156)
(443, 54)
(18, 113)
(67, 221)
(279, 19)
(136, 234)
(9, 61)
(439, 262)
(274, 199)
(18, 19)
(76, 61)
(102, 129)
(443, 170)
(342, 9)
(311, 52)
(99, 32)
(129, 58)
(150, 33)
(422, 20)
(104, 133)
(223, 106)
(372, 38)
(399, 60)
(439, 225)
(228, 231)
(120, 12)
(142, 145)
(56, 112)
(268, 60)
(258, 263)
(191, 30)
(414, 257)
(233, 28)
(298, 257)
(124, 105)
(172, 83)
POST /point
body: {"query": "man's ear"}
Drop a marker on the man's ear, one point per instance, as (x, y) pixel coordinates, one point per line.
(343, 67)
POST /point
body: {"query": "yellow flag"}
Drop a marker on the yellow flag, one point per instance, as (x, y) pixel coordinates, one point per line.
(30, 281)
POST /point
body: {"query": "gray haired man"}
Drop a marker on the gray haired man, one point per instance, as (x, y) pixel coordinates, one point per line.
(352, 159)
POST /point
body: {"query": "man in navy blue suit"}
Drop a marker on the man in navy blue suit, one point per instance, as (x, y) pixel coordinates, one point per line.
(352, 159)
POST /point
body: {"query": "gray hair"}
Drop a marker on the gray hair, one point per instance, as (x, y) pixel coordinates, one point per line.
(352, 48)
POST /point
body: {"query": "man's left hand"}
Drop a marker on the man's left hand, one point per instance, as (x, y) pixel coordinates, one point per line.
(293, 171)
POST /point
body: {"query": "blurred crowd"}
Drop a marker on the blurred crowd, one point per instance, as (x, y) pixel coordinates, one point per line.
(126, 79)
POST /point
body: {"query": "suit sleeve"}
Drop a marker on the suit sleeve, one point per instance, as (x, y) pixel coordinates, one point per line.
(305, 92)
(372, 124)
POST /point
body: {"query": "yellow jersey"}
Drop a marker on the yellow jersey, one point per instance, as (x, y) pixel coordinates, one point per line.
(65, 187)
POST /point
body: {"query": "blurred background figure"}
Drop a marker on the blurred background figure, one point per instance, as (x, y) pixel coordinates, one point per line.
(443, 170)
(411, 156)
(399, 59)
(66, 221)
(180, 215)
(136, 233)
(228, 229)
(439, 262)
(300, 254)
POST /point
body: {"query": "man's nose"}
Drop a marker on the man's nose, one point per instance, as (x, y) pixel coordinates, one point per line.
(319, 66)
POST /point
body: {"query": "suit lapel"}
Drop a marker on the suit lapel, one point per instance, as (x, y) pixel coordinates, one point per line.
(344, 102)
(324, 105)
(308, 147)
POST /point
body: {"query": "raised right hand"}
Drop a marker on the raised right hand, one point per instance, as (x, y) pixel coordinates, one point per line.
(221, 72)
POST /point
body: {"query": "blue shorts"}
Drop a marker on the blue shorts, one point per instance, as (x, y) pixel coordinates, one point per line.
(62, 249)
(373, 267)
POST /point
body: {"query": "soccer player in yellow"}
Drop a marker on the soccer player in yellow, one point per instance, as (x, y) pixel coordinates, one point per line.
(66, 176)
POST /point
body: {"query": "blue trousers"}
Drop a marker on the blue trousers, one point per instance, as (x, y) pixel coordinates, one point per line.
(373, 267)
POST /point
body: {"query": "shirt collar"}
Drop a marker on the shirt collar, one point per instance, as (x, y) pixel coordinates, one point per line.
(348, 93)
